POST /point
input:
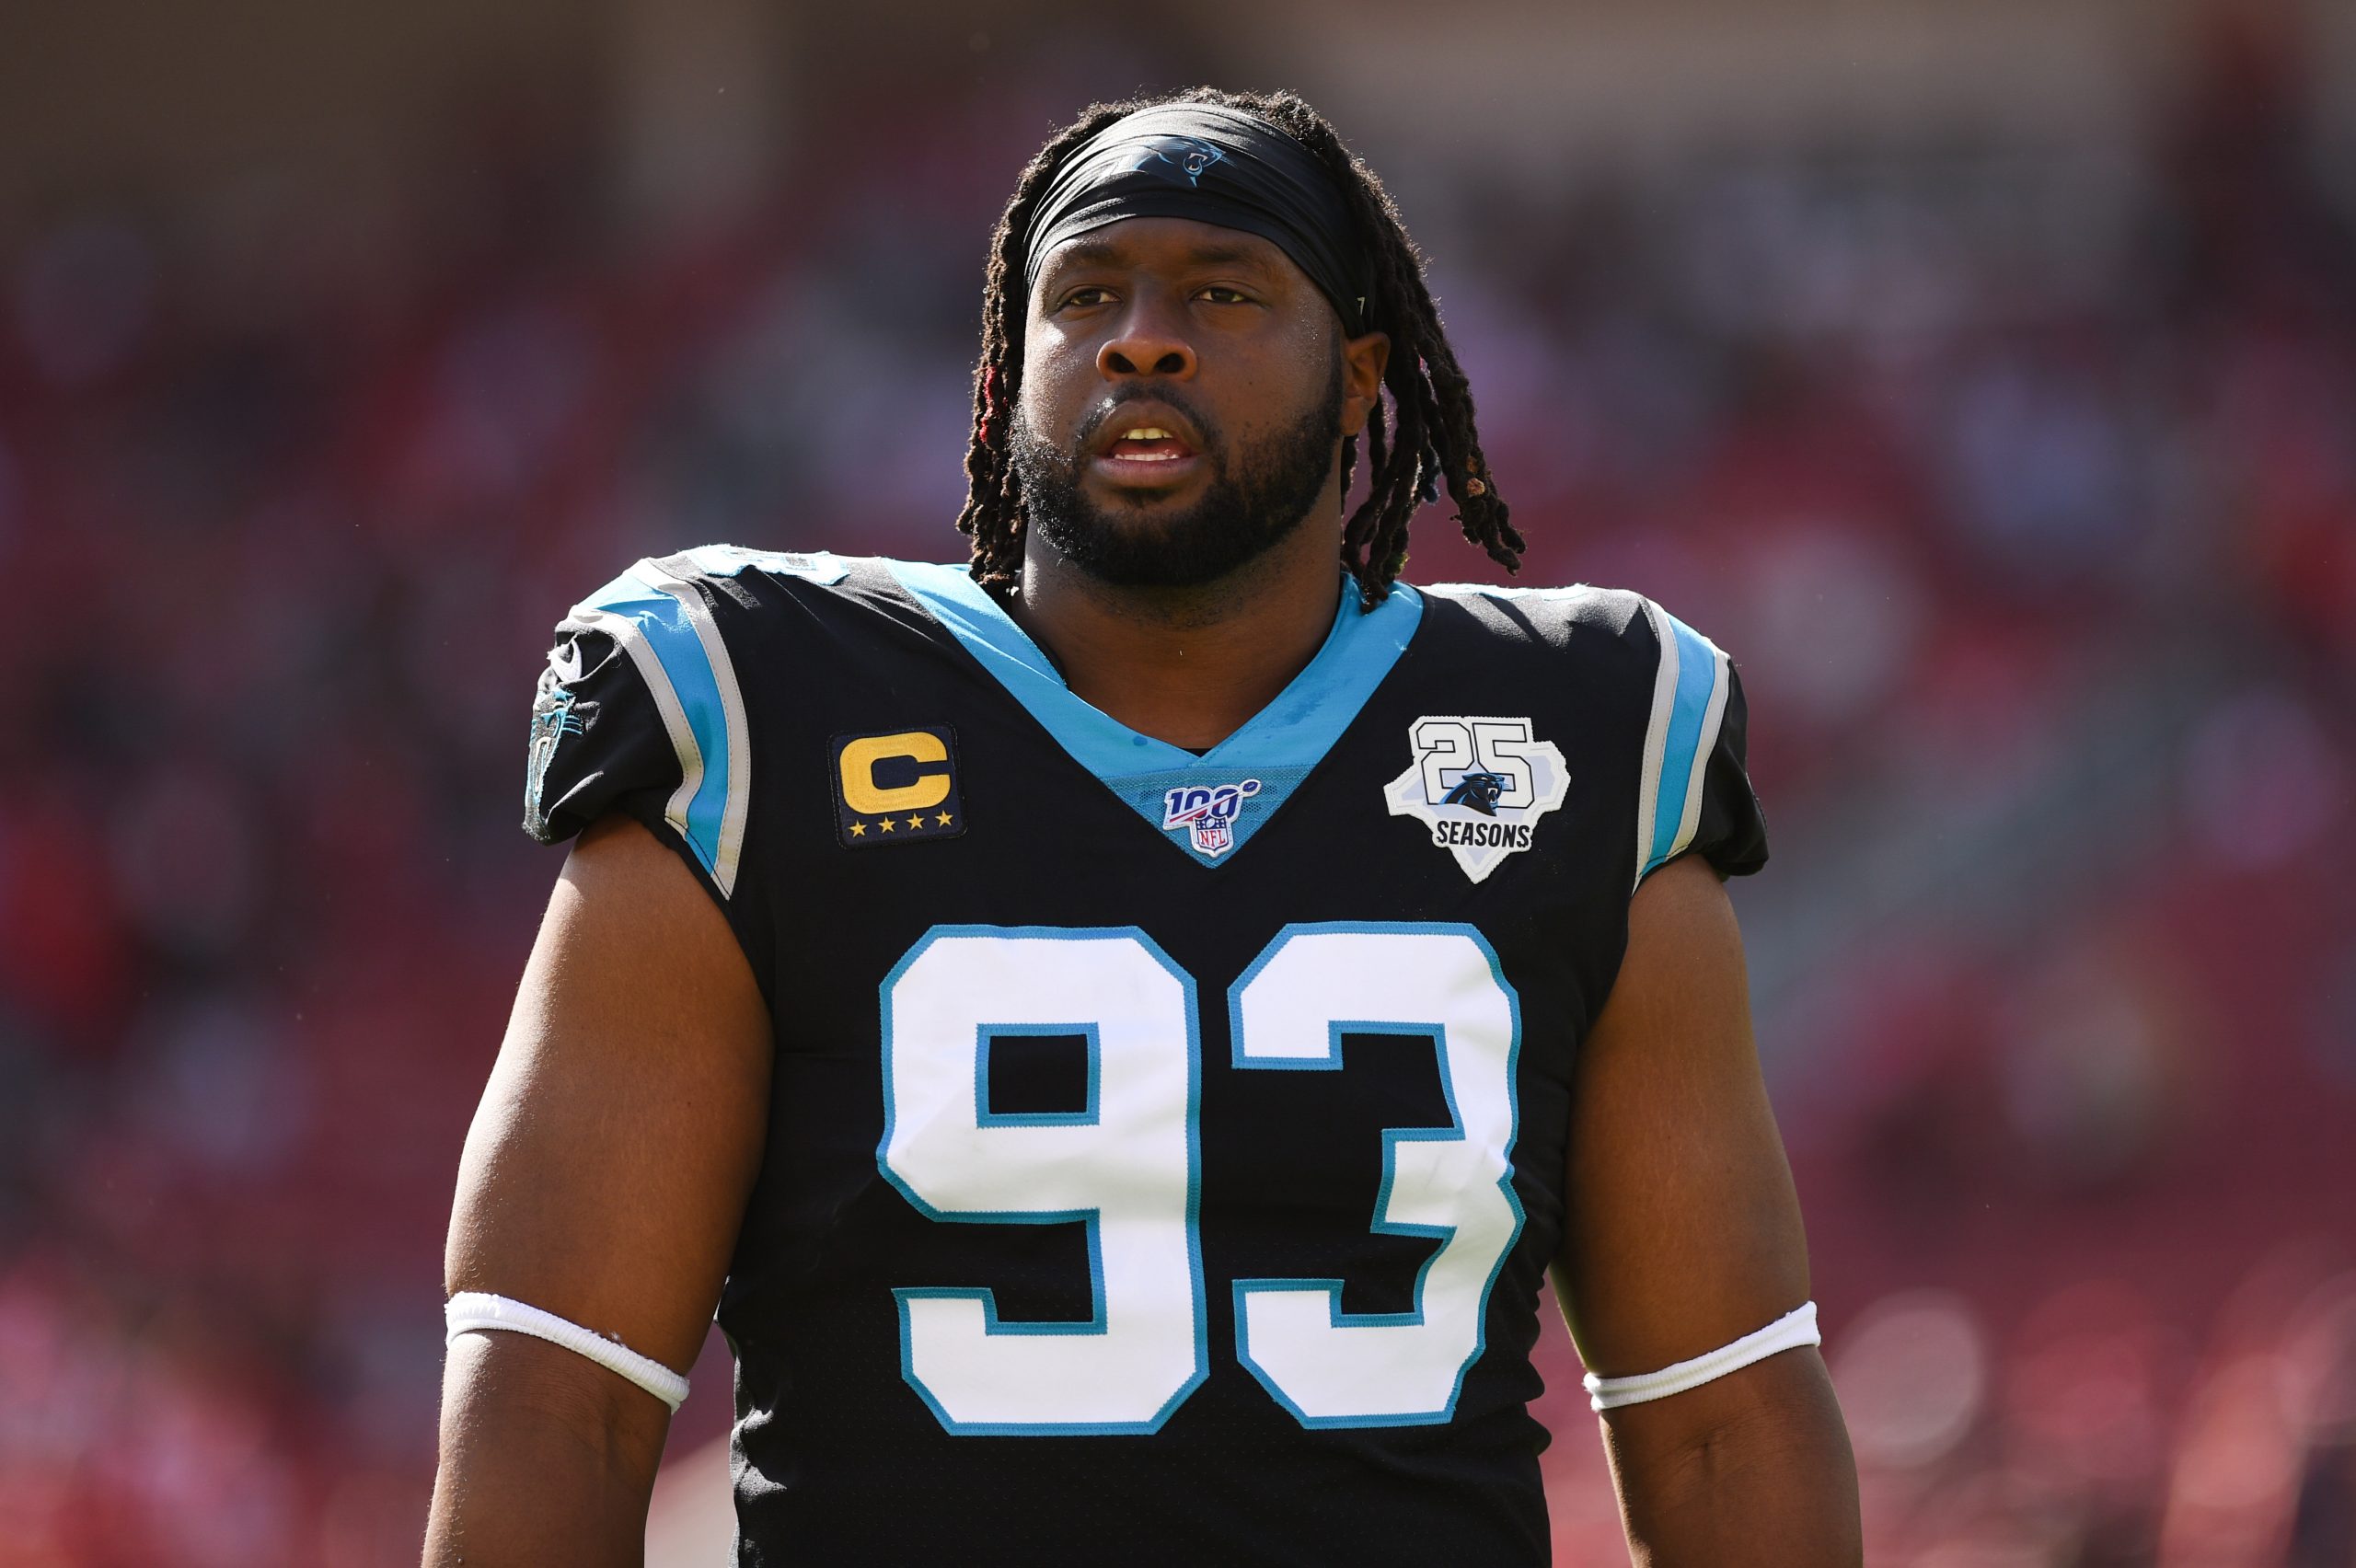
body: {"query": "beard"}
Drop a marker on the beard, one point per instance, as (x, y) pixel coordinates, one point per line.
(1256, 498)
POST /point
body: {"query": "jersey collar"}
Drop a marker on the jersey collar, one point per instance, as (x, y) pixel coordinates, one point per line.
(1277, 746)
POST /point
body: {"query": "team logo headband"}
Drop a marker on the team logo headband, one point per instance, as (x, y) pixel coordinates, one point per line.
(1216, 165)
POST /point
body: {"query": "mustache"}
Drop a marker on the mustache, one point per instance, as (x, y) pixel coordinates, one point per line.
(1110, 410)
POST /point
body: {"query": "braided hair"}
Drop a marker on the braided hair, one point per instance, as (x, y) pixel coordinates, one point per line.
(1428, 441)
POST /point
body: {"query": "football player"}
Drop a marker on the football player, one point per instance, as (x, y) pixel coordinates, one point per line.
(1121, 1029)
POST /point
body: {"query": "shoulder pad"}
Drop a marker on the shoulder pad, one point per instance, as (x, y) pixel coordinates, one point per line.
(821, 567)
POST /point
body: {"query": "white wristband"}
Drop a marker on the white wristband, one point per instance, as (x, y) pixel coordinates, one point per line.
(1795, 1328)
(473, 1310)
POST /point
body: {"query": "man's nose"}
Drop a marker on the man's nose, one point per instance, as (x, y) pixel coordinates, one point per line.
(1147, 342)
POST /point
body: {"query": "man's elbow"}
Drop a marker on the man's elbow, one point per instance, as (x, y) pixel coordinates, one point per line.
(545, 1457)
(1754, 1468)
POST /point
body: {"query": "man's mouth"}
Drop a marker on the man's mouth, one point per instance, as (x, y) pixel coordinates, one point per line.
(1148, 448)
(1148, 443)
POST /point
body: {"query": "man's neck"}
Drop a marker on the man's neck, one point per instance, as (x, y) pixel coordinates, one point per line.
(1186, 665)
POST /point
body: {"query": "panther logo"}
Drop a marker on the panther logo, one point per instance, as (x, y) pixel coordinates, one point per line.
(556, 713)
(1176, 156)
(1477, 789)
(1480, 784)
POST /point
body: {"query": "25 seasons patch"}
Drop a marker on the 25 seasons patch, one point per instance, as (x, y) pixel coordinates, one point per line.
(894, 787)
(1480, 784)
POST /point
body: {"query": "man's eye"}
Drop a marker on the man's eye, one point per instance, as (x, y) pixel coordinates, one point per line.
(1219, 294)
(1090, 295)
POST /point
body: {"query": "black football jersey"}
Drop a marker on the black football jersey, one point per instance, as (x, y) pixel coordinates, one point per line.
(1165, 1150)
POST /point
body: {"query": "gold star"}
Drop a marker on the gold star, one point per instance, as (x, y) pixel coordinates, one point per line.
(944, 819)
(858, 830)
(916, 822)
(885, 825)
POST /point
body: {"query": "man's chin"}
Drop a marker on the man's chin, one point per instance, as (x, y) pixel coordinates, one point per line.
(1173, 550)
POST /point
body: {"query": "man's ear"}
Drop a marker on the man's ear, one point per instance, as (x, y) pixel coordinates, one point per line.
(1363, 361)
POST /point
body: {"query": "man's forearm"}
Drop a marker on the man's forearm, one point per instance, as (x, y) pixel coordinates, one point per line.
(1754, 1469)
(541, 1461)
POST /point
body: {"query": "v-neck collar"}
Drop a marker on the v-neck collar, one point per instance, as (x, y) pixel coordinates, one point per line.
(1202, 802)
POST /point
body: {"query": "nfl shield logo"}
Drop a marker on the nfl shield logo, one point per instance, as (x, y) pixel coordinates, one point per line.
(1207, 813)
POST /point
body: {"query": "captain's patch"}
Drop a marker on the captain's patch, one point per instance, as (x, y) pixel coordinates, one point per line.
(893, 788)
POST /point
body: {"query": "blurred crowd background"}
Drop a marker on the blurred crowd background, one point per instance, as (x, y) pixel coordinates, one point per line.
(1982, 378)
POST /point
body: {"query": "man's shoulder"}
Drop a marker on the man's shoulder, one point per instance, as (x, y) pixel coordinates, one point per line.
(1583, 602)
(660, 681)
(729, 570)
(1579, 620)
(731, 592)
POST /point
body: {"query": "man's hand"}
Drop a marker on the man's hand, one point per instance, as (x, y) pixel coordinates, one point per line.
(1684, 1234)
(603, 1180)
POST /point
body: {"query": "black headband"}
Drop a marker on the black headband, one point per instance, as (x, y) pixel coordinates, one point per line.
(1218, 166)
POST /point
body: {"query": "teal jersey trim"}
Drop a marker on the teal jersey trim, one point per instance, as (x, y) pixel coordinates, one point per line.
(1276, 747)
(661, 623)
(1697, 675)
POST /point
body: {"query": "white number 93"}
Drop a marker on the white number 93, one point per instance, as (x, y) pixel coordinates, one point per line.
(1127, 1167)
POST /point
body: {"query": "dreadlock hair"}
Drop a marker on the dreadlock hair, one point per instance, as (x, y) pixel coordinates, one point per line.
(1428, 441)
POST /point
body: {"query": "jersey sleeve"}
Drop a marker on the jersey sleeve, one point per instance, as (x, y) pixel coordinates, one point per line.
(639, 711)
(1695, 793)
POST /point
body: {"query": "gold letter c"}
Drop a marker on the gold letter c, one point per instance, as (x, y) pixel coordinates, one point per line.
(860, 792)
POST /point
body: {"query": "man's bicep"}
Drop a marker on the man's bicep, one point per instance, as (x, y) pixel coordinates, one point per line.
(1682, 1232)
(607, 1167)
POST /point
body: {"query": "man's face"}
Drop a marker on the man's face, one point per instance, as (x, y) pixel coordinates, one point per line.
(1185, 391)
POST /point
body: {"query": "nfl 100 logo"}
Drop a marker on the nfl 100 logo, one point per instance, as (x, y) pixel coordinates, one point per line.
(1208, 813)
